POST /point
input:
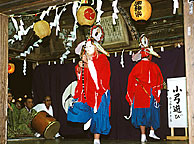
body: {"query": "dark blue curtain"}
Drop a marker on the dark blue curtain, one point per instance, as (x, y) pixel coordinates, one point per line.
(52, 80)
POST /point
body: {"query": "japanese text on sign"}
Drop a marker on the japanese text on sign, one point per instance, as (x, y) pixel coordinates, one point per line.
(177, 109)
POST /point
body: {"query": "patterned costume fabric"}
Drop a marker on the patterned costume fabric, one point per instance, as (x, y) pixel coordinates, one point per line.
(146, 75)
(143, 92)
(25, 121)
(83, 109)
(102, 67)
(82, 113)
(13, 121)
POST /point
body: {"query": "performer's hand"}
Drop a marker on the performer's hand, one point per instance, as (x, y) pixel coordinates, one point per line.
(80, 64)
(29, 125)
(9, 106)
(84, 58)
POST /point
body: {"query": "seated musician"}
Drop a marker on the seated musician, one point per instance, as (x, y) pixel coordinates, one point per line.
(47, 107)
(13, 117)
(26, 116)
(18, 105)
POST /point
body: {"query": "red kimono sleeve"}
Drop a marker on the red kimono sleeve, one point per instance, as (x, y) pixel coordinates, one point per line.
(131, 86)
(103, 75)
(158, 85)
(78, 88)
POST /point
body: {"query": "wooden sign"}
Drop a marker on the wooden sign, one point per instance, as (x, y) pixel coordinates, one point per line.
(177, 102)
(177, 106)
(115, 35)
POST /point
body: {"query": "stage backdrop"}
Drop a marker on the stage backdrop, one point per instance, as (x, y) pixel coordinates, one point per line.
(19, 83)
(52, 80)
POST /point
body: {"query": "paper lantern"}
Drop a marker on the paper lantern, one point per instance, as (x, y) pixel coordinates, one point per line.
(11, 68)
(42, 29)
(84, 1)
(140, 10)
(86, 15)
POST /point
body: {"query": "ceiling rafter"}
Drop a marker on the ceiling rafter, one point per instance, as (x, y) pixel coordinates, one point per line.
(28, 5)
(162, 27)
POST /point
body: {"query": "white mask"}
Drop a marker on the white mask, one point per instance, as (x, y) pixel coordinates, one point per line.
(90, 48)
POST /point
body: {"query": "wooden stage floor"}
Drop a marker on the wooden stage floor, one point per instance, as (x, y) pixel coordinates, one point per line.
(84, 141)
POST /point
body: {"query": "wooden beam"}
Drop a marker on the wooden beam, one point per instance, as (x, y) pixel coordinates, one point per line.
(127, 4)
(9, 3)
(28, 6)
(3, 76)
(134, 45)
(189, 57)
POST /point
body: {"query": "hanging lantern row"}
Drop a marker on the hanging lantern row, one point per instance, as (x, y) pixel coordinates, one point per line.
(11, 68)
(140, 10)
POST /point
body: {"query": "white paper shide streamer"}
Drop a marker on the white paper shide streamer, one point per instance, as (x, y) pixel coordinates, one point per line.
(30, 49)
(20, 31)
(122, 59)
(15, 24)
(99, 11)
(46, 12)
(72, 37)
(75, 8)
(24, 67)
(175, 6)
(115, 11)
(56, 20)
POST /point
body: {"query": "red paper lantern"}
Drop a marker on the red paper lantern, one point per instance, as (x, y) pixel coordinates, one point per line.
(11, 68)
(86, 15)
(140, 10)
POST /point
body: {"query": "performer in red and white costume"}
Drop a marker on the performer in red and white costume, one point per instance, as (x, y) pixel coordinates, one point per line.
(92, 93)
(143, 92)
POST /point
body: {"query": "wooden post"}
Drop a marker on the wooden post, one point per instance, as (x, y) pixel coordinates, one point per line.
(3, 76)
(172, 131)
(189, 58)
(186, 133)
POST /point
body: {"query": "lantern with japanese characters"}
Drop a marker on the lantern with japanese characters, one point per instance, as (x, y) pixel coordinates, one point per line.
(11, 68)
(140, 10)
(42, 29)
(86, 15)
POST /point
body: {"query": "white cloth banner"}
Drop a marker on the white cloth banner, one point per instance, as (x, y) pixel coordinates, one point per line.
(177, 102)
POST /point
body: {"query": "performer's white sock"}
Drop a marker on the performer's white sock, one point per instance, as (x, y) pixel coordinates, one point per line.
(87, 125)
(96, 141)
(57, 135)
(37, 134)
(152, 135)
(151, 132)
(143, 138)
